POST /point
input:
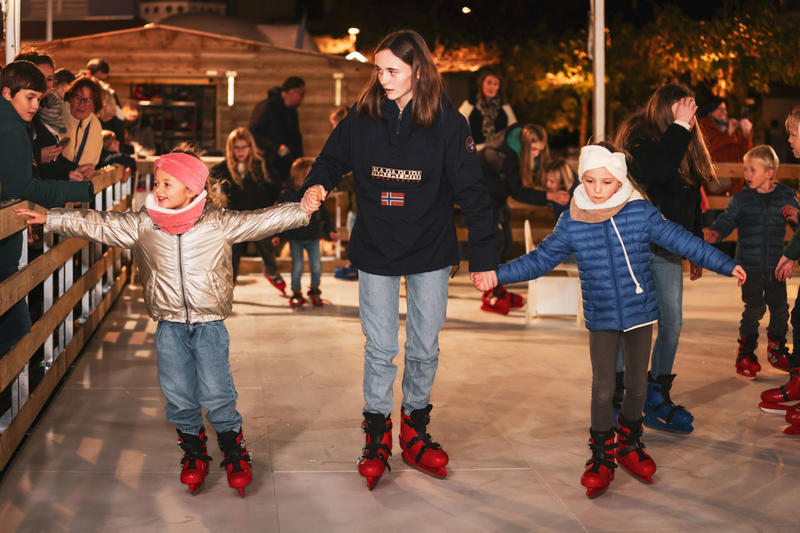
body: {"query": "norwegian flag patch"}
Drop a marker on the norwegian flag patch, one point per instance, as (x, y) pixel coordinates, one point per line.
(393, 199)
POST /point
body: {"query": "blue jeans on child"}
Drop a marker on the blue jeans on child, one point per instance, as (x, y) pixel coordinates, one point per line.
(194, 372)
(311, 246)
(379, 302)
(668, 279)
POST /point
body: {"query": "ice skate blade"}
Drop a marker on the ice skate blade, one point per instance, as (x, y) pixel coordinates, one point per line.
(594, 492)
(372, 482)
(663, 427)
(776, 408)
(194, 487)
(241, 491)
(643, 479)
(438, 473)
(793, 430)
(747, 373)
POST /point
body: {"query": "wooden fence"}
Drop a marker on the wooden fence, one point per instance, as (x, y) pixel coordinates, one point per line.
(74, 274)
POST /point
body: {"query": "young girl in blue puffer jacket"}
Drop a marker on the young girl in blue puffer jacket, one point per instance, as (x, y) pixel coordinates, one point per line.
(610, 227)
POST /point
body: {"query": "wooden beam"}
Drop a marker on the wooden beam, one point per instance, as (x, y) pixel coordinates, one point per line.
(16, 431)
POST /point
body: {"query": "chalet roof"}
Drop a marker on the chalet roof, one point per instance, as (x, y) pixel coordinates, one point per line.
(216, 24)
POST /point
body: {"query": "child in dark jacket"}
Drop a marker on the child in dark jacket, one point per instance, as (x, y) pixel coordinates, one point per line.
(306, 238)
(610, 228)
(758, 213)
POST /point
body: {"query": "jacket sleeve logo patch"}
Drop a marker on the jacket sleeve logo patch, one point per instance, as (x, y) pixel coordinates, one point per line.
(393, 199)
(469, 144)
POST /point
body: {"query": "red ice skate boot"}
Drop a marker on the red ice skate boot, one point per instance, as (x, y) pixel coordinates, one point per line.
(315, 295)
(297, 301)
(278, 282)
(784, 397)
(746, 360)
(419, 450)
(778, 354)
(630, 450)
(600, 467)
(375, 455)
(493, 303)
(195, 458)
(515, 301)
(237, 459)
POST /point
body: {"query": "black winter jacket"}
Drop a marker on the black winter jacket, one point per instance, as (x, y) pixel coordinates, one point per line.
(762, 228)
(254, 193)
(273, 124)
(655, 167)
(407, 180)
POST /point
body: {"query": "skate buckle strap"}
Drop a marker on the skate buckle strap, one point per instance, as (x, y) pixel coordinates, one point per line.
(664, 385)
(418, 421)
(376, 431)
(601, 456)
(631, 441)
(235, 452)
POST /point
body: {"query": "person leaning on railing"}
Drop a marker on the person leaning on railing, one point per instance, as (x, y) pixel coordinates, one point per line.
(22, 85)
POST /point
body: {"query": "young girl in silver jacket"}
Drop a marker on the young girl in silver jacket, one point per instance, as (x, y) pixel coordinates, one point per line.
(182, 246)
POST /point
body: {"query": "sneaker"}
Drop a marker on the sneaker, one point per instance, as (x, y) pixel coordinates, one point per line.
(349, 272)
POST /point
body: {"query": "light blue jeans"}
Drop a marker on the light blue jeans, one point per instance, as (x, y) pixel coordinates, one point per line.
(314, 262)
(379, 302)
(194, 372)
(668, 279)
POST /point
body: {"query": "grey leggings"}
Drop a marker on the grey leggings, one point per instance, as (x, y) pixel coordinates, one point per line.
(603, 352)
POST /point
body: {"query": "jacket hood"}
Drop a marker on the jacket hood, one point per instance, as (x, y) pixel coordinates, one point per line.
(7, 112)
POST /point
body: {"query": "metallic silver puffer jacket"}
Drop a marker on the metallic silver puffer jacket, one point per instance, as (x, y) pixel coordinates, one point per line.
(188, 277)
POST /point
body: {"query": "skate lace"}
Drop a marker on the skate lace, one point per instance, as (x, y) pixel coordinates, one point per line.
(193, 450)
(419, 423)
(601, 456)
(630, 442)
(375, 445)
(234, 455)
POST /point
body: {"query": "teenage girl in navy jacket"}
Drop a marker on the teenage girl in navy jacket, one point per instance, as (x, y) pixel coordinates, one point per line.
(413, 158)
(610, 228)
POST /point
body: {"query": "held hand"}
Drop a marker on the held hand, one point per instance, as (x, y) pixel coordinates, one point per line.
(74, 175)
(732, 125)
(312, 199)
(87, 170)
(695, 272)
(746, 126)
(711, 235)
(558, 197)
(684, 109)
(790, 213)
(34, 217)
(484, 281)
(333, 236)
(739, 272)
(784, 269)
(51, 153)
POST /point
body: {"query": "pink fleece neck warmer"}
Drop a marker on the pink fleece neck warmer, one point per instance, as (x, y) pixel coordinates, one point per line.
(176, 221)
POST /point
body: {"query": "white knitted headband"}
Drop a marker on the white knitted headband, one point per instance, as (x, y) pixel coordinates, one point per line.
(594, 156)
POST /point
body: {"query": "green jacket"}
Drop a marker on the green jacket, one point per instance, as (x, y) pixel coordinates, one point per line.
(17, 181)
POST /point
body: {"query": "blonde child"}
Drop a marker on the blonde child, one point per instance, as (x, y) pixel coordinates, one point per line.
(182, 245)
(610, 228)
(758, 213)
(306, 238)
(557, 176)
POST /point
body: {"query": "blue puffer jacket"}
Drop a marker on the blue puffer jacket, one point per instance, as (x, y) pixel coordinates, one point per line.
(608, 284)
(762, 228)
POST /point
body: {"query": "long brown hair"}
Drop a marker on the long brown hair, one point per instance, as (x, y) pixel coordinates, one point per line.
(500, 91)
(427, 87)
(254, 162)
(654, 119)
(532, 133)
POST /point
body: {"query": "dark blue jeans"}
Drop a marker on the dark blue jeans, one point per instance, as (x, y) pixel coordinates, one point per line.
(16, 322)
(762, 290)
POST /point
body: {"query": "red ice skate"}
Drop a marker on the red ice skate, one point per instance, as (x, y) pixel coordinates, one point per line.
(783, 398)
(375, 455)
(630, 450)
(195, 459)
(746, 361)
(315, 295)
(793, 417)
(600, 467)
(237, 459)
(778, 354)
(493, 303)
(419, 450)
(278, 282)
(297, 301)
(514, 300)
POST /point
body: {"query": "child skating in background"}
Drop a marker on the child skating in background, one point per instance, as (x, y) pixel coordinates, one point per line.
(306, 238)
(610, 227)
(786, 398)
(558, 175)
(182, 246)
(758, 214)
